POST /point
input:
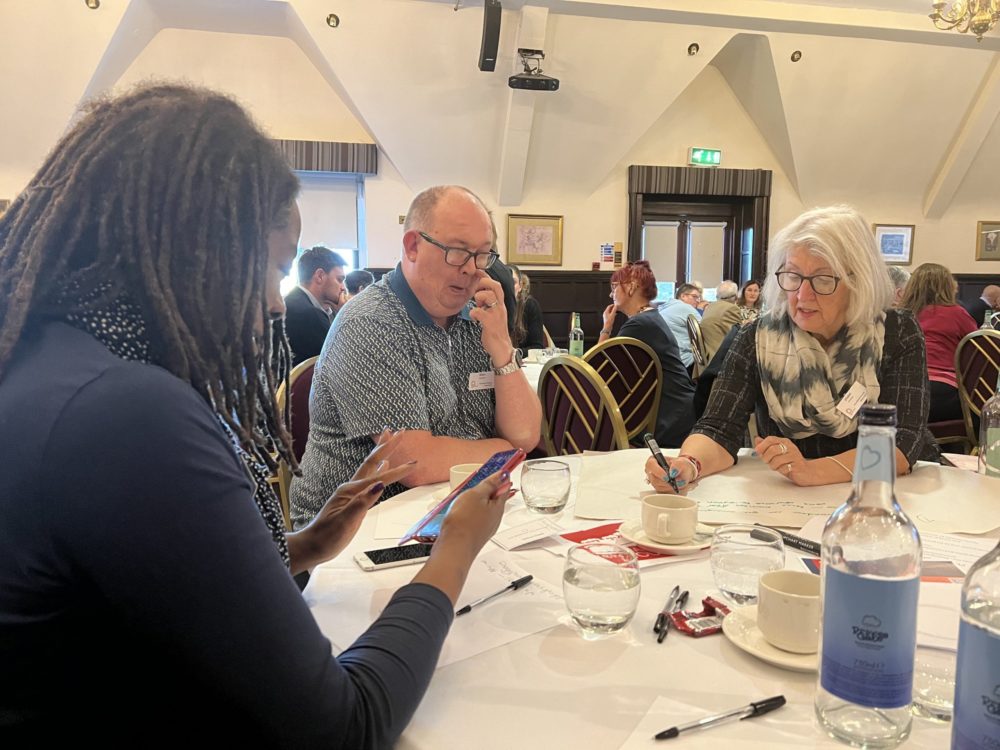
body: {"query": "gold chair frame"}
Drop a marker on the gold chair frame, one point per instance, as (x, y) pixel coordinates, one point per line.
(639, 400)
(284, 477)
(563, 370)
(987, 343)
(697, 344)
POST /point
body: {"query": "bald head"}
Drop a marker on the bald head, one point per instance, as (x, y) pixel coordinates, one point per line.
(992, 295)
(420, 215)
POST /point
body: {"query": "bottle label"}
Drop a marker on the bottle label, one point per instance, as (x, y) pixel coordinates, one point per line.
(991, 452)
(869, 636)
(876, 460)
(976, 722)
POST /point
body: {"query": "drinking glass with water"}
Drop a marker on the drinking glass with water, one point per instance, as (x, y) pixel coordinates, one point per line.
(601, 587)
(740, 556)
(545, 485)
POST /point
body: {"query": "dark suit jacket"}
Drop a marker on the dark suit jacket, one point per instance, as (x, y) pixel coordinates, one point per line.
(305, 324)
(977, 309)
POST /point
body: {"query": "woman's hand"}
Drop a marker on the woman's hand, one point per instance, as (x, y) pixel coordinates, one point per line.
(784, 457)
(609, 316)
(339, 519)
(681, 471)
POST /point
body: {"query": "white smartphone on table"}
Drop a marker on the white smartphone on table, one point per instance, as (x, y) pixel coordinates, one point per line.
(393, 557)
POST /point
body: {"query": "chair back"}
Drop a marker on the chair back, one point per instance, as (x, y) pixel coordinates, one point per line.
(697, 343)
(549, 343)
(633, 374)
(977, 363)
(299, 385)
(578, 411)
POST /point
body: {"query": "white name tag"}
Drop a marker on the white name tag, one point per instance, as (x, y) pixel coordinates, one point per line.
(481, 381)
(853, 400)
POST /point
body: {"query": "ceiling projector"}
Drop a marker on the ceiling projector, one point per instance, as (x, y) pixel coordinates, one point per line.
(533, 82)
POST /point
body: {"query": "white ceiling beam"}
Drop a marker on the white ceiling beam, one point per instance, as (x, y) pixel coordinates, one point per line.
(979, 119)
(520, 112)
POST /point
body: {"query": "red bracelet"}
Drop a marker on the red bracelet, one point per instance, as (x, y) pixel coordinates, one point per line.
(694, 462)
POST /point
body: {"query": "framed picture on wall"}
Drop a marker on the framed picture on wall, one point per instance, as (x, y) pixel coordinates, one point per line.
(988, 240)
(534, 240)
(895, 243)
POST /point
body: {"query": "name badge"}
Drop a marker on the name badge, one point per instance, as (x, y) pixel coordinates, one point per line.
(481, 381)
(853, 400)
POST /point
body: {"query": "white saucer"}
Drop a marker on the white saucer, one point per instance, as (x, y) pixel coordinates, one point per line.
(632, 531)
(740, 627)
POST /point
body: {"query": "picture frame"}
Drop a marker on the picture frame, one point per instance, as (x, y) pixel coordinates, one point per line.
(534, 240)
(895, 243)
(988, 240)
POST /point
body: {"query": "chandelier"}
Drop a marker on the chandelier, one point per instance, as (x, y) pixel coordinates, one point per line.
(977, 16)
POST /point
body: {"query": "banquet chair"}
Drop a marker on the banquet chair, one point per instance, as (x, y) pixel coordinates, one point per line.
(697, 344)
(549, 343)
(578, 411)
(299, 384)
(977, 362)
(633, 374)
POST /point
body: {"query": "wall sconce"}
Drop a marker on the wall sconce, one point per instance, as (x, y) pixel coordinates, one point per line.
(93, 4)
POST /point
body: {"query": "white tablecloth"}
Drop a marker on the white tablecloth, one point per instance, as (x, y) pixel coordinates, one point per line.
(555, 690)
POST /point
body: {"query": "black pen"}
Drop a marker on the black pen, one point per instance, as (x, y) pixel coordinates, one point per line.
(744, 712)
(654, 448)
(512, 586)
(661, 618)
(677, 605)
(791, 540)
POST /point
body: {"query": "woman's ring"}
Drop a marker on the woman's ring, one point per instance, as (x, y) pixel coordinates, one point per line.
(492, 304)
(784, 448)
(788, 468)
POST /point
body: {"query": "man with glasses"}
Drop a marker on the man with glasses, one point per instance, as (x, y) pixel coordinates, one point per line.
(675, 312)
(425, 350)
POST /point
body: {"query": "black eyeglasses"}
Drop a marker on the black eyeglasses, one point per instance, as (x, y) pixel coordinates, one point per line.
(821, 283)
(459, 256)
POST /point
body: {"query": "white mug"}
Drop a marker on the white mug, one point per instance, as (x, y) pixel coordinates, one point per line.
(669, 519)
(460, 472)
(788, 610)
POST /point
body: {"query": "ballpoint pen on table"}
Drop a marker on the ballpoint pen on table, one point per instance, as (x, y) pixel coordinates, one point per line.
(679, 603)
(759, 708)
(512, 586)
(664, 615)
(654, 448)
(790, 540)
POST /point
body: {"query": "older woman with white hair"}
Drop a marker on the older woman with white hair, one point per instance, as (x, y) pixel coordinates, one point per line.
(829, 327)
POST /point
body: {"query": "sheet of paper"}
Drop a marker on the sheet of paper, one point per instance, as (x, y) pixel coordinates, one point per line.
(525, 533)
(610, 484)
(351, 602)
(609, 533)
(787, 513)
(961, 461)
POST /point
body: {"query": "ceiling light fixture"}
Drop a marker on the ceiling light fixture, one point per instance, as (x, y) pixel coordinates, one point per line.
(93, 4)
(977, 16)
(796, 56)
(693, 48)
(333, 20)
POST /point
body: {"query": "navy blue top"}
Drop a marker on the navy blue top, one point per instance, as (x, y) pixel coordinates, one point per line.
(141, 596)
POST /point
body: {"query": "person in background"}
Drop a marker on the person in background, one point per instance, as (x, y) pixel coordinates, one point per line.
(988, 301)
(528, 332)
(136, 570)
(749, 301)
(675, 313)
(829, 327)
(720, 316)
(356, 281)
(416, 352)
(310, 307)
(930, 295)
(632, 289)
(899, 277)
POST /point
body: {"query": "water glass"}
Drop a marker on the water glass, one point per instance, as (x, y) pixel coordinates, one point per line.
(934, 683)
(545, 485)
(740, 556)
(601, 587)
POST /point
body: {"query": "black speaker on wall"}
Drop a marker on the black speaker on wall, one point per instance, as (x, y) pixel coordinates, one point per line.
(491, 36)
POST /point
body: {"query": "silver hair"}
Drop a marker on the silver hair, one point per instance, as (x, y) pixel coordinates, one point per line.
(898, 276)
(727, 290)
(840, 236)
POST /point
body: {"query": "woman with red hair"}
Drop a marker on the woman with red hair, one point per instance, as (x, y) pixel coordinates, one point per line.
(632, 289)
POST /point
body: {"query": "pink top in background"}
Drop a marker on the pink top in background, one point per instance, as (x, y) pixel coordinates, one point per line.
(944, 326)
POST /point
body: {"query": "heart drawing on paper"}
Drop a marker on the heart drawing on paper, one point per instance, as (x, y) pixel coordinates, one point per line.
(869, 458)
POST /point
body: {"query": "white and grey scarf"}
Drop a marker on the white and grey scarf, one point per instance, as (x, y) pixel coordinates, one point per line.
(803, 382)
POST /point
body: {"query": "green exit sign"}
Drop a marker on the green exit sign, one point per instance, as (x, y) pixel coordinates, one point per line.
(705, 157)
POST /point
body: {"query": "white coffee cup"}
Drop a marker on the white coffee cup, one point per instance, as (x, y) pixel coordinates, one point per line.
(788, 610)
(669, 519)
(460, 472)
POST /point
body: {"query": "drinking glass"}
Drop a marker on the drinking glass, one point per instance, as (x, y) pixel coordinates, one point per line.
(934, 683)
(601, 587)
(545, 485)
(740, 556)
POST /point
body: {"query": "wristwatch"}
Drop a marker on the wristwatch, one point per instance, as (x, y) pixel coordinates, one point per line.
(515, 364)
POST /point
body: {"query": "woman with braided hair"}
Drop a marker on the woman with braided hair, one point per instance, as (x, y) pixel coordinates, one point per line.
(139, 271)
